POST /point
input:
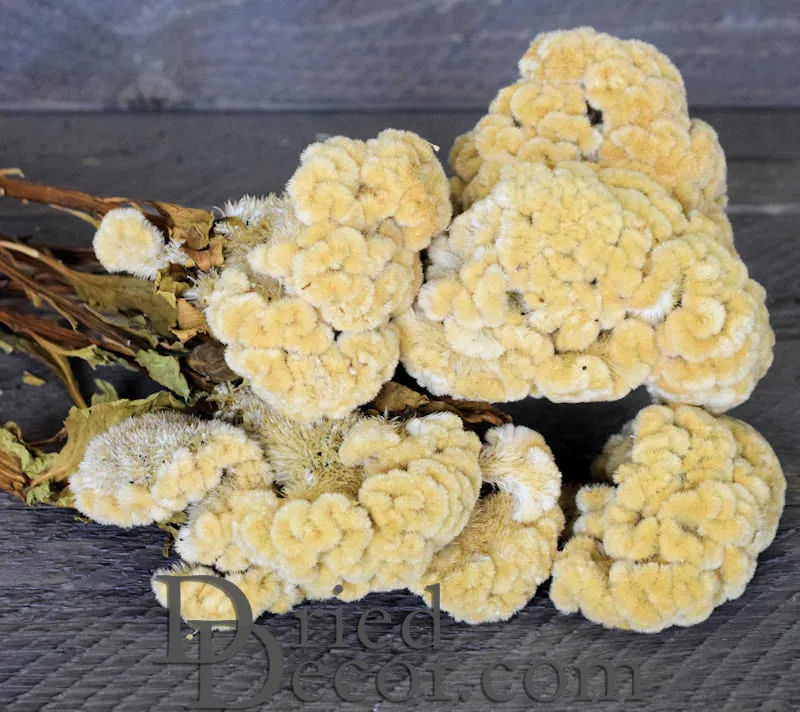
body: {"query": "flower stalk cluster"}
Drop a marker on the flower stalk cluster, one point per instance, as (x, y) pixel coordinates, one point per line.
(590, 254)
(292, 511)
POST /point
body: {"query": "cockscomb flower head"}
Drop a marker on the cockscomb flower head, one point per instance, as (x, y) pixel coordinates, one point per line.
(580, 283)
(208, 536)
(493, 567)
(358, 502)
(201, 601)
(356, 213)
(312, 278)
(693, 500)
(588, 96)
(151, 466)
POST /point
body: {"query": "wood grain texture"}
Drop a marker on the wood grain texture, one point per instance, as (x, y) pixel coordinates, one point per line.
(79, 627)
(251, 54)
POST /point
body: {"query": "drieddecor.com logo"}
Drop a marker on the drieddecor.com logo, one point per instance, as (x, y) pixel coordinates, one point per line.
(396, 680)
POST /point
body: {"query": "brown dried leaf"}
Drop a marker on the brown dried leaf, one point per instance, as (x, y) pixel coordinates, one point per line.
(192, 226)
(208, 360)
(395, 398)
(473, 412)
(210, 257)
(191, 321)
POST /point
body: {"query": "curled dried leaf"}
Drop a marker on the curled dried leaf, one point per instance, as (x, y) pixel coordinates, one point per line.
(164, 370)
(208, 361)
(397, 400)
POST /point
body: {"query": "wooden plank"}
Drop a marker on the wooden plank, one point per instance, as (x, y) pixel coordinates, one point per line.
(218, 54)
(79, 626)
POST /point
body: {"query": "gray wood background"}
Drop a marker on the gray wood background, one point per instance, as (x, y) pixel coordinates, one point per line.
(79, 629)
(277, 54)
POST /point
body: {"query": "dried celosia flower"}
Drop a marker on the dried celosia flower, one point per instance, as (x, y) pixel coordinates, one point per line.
(201, 601)
(579, 283)
(356, 215)
(150, 466)
(694, 499)
(361, 502)
(492, 569)
(312, 279)
(208, 535)
(126, 241)
(585, 95)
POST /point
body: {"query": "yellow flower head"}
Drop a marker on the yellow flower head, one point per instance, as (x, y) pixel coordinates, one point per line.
(151, 466)
(357, 502)
(585, 95)
(492, 569)
(694, 499)
(205, 602)
(580, 283)
(312, 279)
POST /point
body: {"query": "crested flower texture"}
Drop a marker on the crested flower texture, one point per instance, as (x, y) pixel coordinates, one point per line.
(359, 212)
(580, 283)
(692, 500)
(492, 569)
(585, 95)
(201, 601)
(359, 502)
(151, 466)
(312, 279)
(126, 241)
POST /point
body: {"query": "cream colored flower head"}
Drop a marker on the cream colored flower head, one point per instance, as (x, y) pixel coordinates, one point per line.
(579, 283)
(202, 601)
(360, 211)
(694, 499)
(292, 358)
(585, 95)
(151, 466)
(126, 241)
(313, 278)
(492, 569)
(208, 536)
(359, 502)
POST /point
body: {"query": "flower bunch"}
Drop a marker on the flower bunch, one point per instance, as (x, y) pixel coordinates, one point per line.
(590, 254)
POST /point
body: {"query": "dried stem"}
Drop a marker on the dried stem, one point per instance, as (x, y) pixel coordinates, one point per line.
(83, 204)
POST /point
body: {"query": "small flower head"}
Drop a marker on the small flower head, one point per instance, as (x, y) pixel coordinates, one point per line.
(493, 567)
(126, 241)
(150, 466)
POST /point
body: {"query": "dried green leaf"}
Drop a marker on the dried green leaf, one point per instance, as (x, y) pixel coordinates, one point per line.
(106, 393)
(165, 370)
(11, 343)
(20, 463)
(117, 294)
(39, 494)
(31, 462)
(31, 379)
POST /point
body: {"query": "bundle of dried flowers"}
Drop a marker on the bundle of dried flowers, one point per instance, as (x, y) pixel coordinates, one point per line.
(590, 254)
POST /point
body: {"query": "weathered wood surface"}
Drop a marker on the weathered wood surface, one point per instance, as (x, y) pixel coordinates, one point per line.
(79, 627)
(249, 54)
